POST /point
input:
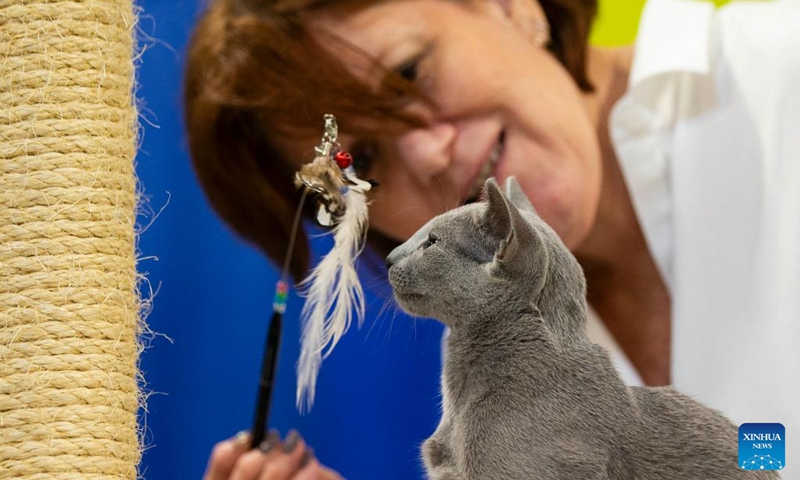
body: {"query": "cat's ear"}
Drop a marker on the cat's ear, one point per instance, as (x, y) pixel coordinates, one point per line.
(497, 220)
(505, 222)
(521, 254)
(517, 196)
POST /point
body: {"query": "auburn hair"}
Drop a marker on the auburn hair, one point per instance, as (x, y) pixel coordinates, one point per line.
(255, 72)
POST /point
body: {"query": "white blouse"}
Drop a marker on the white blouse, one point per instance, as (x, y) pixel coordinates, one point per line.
(708, 137)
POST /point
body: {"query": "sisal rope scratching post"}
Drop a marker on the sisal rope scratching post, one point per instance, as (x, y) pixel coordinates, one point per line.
(69, 309)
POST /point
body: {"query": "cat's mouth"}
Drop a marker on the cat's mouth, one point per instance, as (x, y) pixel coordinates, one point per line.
(400, 285)
(411, 296)
(409, 301)
(487, 169)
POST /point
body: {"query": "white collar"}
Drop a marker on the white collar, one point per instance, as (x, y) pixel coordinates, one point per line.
(674, 36)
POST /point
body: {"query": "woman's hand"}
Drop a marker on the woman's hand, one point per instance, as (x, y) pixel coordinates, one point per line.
(275, 460)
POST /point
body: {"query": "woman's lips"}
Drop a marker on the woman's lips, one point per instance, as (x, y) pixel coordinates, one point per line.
(487, 168)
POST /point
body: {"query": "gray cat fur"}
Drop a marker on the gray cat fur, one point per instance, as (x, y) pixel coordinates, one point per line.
(525, 394)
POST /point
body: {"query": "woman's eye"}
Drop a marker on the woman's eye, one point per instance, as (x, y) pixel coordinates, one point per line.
(364, 154)
(432, 240)
(410, 76)
(409, 70)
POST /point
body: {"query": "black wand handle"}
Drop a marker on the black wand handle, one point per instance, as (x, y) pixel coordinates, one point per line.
(267, 381)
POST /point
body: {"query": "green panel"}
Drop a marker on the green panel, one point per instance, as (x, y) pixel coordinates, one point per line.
(617, 21)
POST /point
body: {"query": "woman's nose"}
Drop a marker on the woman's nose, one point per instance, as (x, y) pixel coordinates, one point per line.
(428, 150)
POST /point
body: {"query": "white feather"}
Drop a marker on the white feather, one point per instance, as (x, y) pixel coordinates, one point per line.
(333, 295)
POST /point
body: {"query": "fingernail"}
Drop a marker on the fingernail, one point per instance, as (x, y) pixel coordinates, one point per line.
(291, 441)
(308, 456)
(272, 440)
(242, 438)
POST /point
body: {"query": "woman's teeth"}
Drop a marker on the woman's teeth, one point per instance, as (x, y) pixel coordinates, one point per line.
(488, 167)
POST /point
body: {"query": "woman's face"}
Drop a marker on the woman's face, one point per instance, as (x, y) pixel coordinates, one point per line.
(501, 106)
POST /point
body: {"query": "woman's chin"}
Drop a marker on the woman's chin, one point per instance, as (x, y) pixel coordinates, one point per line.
(570, 215)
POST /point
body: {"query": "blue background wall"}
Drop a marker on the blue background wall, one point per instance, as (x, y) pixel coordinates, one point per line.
(377, 397)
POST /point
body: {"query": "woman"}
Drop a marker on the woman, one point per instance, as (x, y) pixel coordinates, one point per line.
(634, 162)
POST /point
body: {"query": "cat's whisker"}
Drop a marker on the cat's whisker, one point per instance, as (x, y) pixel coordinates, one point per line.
(375, 283)
(414, 329)
(389, 331)
(386, 303)
(441, 193)
(448, 198)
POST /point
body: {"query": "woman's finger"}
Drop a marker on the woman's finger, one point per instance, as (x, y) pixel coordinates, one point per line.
(288, 461)
(249, 466)
(224, 455)
(271, 447)
(313, 470)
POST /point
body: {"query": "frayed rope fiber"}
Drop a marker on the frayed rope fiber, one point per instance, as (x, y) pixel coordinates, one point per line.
(69, 307)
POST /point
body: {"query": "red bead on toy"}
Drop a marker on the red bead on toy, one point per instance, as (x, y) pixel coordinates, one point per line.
(282, 287)
(343, 159)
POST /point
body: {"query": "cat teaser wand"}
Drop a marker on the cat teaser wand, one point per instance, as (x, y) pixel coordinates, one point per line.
(332, 291)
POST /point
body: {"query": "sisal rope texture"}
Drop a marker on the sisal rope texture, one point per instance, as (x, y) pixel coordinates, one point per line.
(69, 308)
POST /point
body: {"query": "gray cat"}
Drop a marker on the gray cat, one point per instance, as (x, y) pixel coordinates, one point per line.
(525, 394)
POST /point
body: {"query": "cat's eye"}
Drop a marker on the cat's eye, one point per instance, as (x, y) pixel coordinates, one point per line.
(432, 240)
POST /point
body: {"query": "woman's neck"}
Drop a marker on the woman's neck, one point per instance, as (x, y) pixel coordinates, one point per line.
(624, 285)
(608, 69)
